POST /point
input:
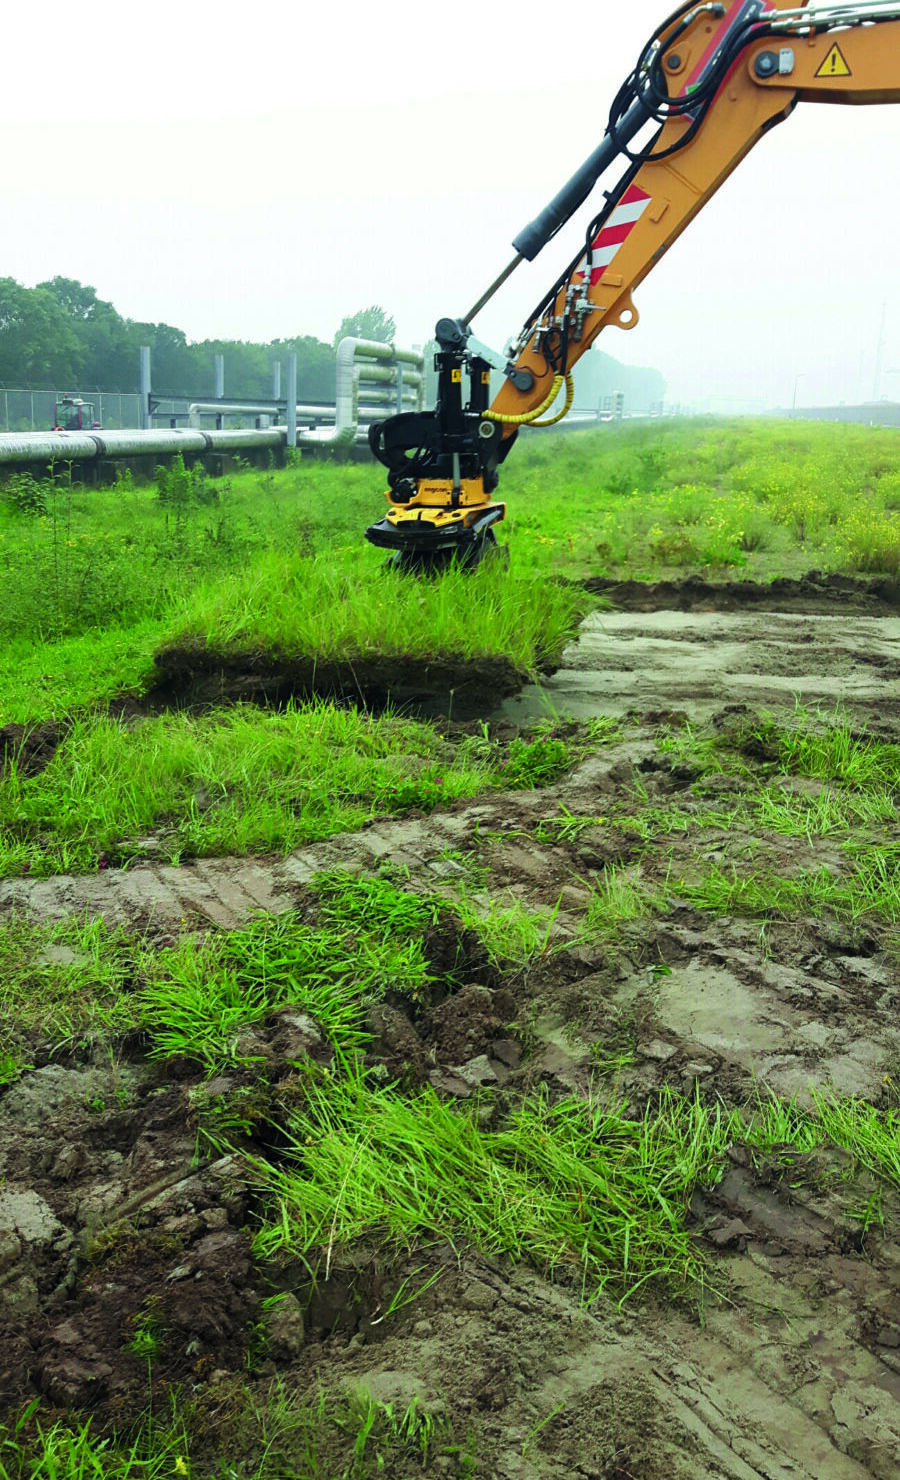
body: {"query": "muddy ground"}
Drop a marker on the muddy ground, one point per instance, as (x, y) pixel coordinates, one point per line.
(789, 1369)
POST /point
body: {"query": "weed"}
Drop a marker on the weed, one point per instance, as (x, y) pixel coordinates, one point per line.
(512, 935)
(148, 1335)
(615, 900)
(538, 1427)
(534, 763)
(73, 1453)
(277, 780)
(374, 903)
(25, 494)
(567, 828)
(466, 868)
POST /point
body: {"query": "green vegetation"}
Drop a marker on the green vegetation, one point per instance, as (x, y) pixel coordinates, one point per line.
(759, 498)
(339, 610)
(74, 1454)
(60, 983)
(570, 1187)
(348, 1146)
(350, 1435)
(852, 780)
(239, 781)
(201, 996)
(61, 333)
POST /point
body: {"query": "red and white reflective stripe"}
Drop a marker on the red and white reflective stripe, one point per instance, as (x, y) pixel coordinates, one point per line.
(618, 229)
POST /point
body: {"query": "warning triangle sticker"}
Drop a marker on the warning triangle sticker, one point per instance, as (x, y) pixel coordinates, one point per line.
(835, 64)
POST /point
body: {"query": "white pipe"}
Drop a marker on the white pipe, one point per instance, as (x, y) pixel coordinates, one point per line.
(351, 357)
(355, 402)
(63, 447)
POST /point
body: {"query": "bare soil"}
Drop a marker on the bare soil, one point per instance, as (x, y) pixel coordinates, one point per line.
(788, 1370)
(813, 593)
(200, 675)
(700, 660)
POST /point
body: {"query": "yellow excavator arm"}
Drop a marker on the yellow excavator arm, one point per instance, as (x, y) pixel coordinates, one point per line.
(710, 82)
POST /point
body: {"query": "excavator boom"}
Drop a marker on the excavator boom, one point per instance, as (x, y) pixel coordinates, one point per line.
(709, 84)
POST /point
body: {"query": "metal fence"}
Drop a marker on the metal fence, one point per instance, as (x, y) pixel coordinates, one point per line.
(25, 410)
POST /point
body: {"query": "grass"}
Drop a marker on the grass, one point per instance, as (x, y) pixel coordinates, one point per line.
(820, 747)
(335, 609)
(754, 497)
(587, 1191)
(870, 891)
(63, 1453)
(276, 559)
(201, 996)
(239, 781)
(272, 564)
(63, 982)
(581, 1191)
(615, 901)
(576, 1189)
(513, 935)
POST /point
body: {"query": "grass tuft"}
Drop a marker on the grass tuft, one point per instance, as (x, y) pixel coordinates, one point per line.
(575, 1189)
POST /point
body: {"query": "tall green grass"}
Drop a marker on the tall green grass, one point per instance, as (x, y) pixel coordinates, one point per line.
(577, 1190)
(241, 781)
(582, 1191)
(334, 607)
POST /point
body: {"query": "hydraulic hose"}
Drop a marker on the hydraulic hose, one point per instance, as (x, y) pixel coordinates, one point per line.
(567, 407)
(529, 418)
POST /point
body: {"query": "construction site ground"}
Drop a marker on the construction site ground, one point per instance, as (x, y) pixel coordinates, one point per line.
(787, 1368)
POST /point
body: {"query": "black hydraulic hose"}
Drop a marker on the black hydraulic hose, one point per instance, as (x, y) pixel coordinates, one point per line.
(643, 98)
(694, 105)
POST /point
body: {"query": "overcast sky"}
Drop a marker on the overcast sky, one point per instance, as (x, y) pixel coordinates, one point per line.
(263, 176)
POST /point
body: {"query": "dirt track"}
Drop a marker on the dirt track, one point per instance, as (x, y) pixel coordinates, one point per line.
(795, 1373)
(699, 661)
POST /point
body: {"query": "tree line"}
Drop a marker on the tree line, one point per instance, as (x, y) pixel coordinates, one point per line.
(60, 335)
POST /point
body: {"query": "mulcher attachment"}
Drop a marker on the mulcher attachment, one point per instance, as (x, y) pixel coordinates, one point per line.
(442, 467)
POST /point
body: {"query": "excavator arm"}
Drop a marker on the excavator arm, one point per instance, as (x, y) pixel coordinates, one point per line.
(710, 82)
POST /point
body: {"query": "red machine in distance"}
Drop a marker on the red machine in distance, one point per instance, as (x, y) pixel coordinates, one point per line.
(75, 415)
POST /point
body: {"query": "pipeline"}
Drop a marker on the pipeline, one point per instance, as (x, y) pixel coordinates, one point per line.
(365, 387)
(353, 357)
(64, 447)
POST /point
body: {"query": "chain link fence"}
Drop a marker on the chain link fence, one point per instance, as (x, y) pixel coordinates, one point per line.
(25, 410)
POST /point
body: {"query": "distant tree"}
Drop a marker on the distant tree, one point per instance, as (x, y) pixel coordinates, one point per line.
(107, 354)
(315, 366)
(38, 345)
(171, 358)
(75, 299)
(248, 367)
(367, 323)
(61, 334)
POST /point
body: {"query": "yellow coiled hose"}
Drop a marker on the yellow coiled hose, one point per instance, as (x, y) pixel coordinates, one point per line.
(532, 418)
(567, 406)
